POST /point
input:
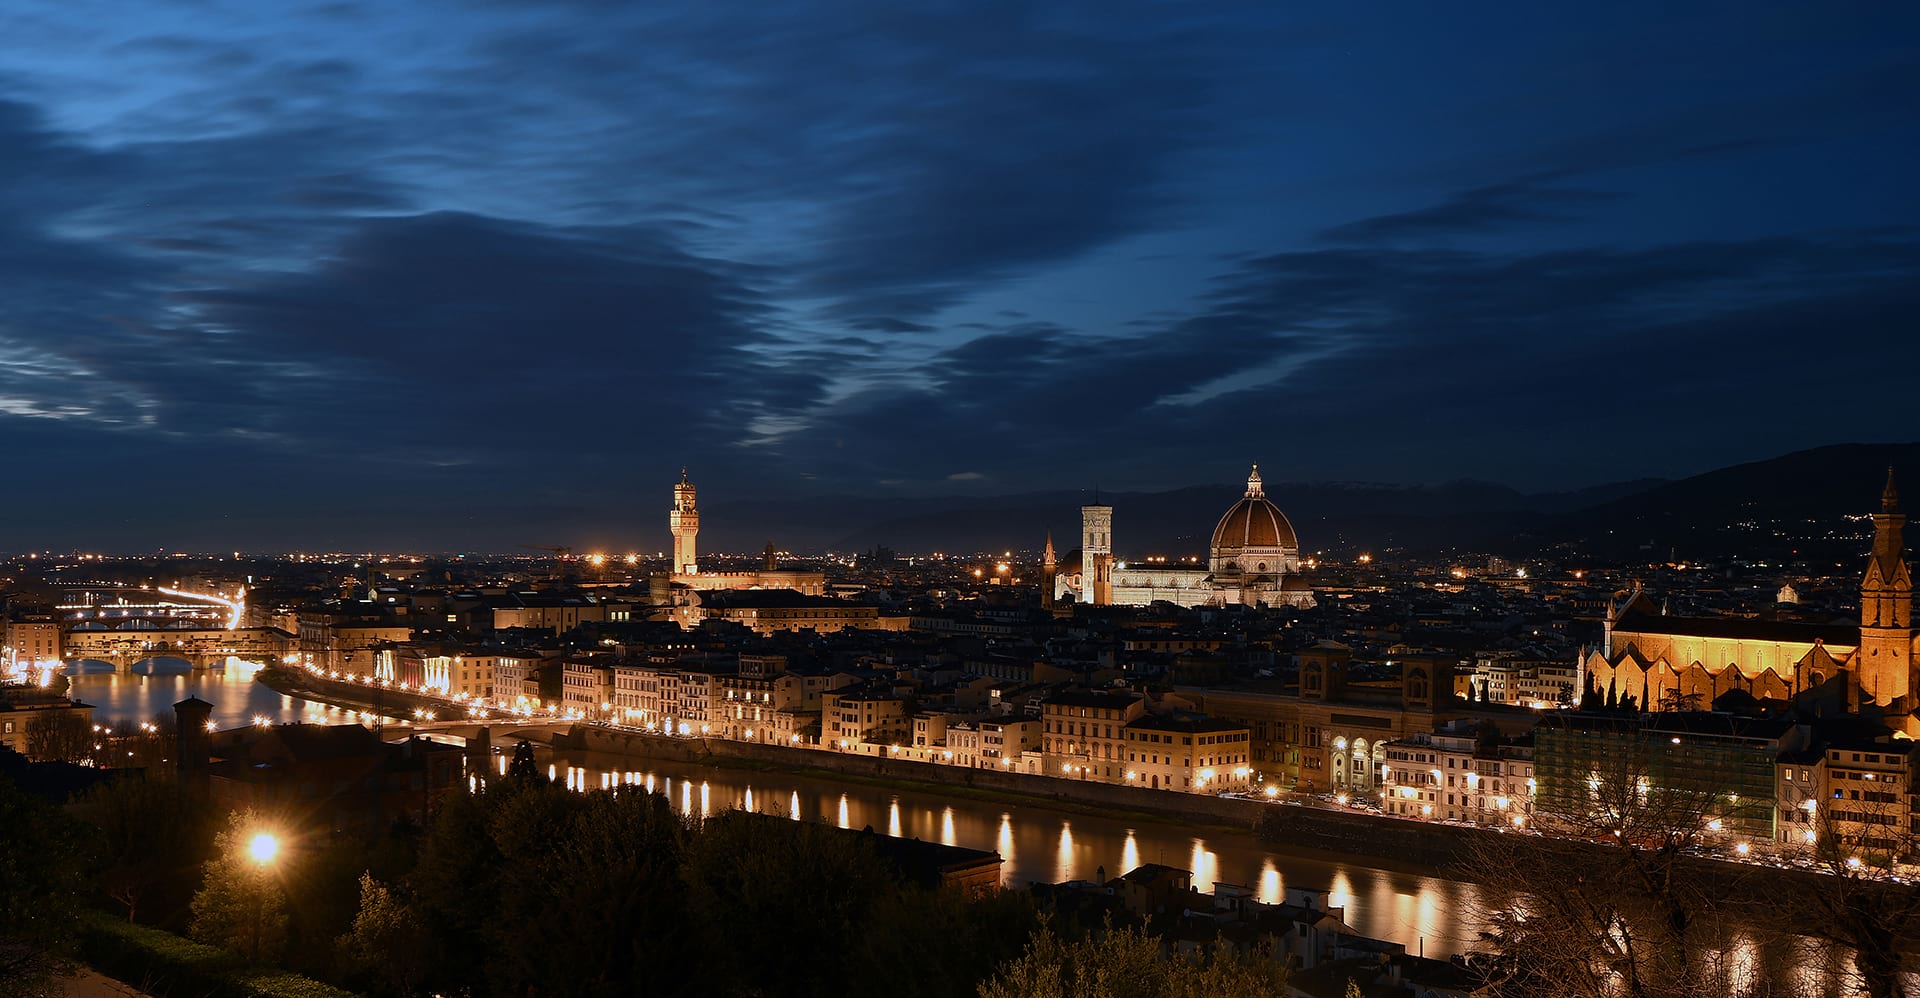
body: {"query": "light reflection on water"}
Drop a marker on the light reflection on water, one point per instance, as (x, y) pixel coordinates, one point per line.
(158, 684)
(1035, 843)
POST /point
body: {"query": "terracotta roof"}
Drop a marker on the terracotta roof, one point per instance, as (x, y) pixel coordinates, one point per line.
(1254, 522)
(1737, 628)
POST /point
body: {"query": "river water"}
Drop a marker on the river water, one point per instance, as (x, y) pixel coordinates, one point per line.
(1428, 913)
(1039, 844)
(1034, 843)
(156, 685)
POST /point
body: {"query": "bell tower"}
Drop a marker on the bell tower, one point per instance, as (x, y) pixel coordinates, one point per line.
(1096, 553)
(1049, 570)
(684, 521)
(1883, 662)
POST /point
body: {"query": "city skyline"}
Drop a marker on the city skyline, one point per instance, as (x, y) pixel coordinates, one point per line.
(290, 278)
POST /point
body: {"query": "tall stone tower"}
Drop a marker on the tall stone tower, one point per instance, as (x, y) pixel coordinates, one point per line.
(1886, 607)
(1096, 554)
(684, 521)
(1049, 569)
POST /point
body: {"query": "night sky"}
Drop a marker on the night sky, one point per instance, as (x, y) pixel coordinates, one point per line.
(472, 274)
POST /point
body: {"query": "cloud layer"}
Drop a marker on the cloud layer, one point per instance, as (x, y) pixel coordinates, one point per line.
(301, 278)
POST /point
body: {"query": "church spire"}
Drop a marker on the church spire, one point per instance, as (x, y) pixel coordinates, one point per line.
(1254, 488)
(1886, 607)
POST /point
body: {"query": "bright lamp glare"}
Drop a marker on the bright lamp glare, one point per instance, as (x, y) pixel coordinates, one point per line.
(263, 848)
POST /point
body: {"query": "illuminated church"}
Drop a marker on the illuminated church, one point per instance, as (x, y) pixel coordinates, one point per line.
(1654, 657)
(1254, 560)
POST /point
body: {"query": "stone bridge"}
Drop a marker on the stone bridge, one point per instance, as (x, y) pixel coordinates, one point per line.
(127, 642)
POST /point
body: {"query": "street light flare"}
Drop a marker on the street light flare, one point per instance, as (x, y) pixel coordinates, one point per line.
(263, 847)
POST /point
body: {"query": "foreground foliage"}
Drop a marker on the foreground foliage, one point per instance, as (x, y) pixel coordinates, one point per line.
(162, 963)
(1125, 963)
(41, 887)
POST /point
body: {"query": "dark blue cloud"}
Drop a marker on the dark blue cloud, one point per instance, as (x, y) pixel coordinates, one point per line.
(535, 256)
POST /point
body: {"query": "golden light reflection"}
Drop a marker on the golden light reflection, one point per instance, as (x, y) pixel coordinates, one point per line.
(1341, 890)
(705, 797)
(893, 817)
(749, 805)
(947, 836)
(1063, 864)
(793, 806)
(1129, 855)
(844, 823)
(1003, 844)
(1270, 890)
(1205, 866)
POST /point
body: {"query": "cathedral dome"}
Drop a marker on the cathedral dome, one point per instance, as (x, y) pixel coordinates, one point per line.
(1253, 522)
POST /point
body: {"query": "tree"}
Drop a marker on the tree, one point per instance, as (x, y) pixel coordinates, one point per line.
(240, 905)
(40, 857)
(1855, 841)
(456, 889)
(386, 940)
(797, 894)
(152, 837)
(1672, 700)
(60, 735)
(1614, 907)
(1125, 963)
(590, 899)
(944, 941)
(523, 769)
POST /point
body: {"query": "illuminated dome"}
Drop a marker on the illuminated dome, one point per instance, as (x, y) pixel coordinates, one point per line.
(1254, 538)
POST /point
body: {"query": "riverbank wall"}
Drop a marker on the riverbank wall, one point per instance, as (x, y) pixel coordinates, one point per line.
(1449, 850)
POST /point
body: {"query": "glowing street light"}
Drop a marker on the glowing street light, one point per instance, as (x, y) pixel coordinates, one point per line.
(263, 848)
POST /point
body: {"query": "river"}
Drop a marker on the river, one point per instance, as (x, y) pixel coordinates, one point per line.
(1037, 843)
(1034, 842)
(157, 684)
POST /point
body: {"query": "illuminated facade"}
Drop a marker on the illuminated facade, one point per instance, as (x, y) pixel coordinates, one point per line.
(684, 522)
(1191, 753)
(1656, 658)
(678, 587)
(1254, 559)
(1456, 777)
(1084, 734)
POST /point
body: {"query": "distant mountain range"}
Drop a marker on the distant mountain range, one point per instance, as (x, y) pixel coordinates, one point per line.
(1763, 509)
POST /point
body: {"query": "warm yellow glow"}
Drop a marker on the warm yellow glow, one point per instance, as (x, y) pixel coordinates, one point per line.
(262, 848)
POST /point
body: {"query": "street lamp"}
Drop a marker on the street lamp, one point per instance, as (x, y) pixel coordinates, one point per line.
(263, 848)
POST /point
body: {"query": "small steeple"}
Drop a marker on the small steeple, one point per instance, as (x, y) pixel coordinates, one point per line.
(1047, 557)
(1254, 489)
(1890, 496)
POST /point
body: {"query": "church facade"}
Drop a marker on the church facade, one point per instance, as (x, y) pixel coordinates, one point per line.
(1658, 658)
(1254, 559)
